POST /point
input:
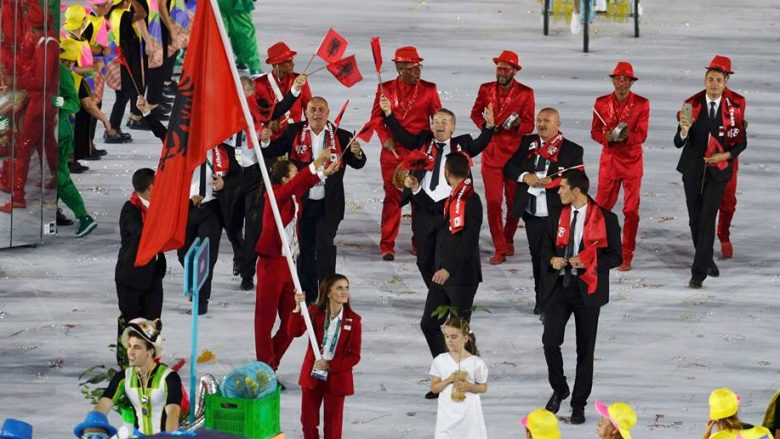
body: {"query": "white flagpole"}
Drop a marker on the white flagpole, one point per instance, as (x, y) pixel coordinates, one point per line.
(271, 197)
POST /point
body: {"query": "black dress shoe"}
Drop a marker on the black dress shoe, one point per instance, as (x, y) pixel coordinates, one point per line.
(577, 415)
(694, 283)
(554, 404)
(118, 137)
(140, 124)
(99, 152)
(125, 136)
(91, 157)
(389, 256)
(713, 271)
(63, 220)
(77, 168)
(203, 308)
(431, 395)
(247, 284)
(236, 268)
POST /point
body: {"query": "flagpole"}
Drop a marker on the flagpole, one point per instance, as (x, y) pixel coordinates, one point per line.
(309, 64)
(315, 71)
(266, 179)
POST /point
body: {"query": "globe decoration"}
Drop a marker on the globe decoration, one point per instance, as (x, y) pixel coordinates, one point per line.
(253, 380)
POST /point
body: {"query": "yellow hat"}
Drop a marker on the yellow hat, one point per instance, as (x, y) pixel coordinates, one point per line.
(542, 424)
(116, 2)
(70, 50)
(757, 432)
(723, 403)
(74, 17)
(620, 414)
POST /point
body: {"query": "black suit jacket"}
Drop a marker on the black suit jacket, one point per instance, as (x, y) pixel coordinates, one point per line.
(126, 273)
(334, 185)
(691, 164)
(569, 155)
(468, 144)
(459, 253)
(608, 258)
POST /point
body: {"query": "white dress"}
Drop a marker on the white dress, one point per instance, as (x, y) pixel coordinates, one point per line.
(459, 420)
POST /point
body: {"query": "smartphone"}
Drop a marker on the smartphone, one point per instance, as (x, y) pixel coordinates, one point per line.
(687, 111)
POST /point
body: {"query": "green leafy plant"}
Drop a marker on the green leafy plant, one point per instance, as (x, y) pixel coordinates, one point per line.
(443, 311)
(94, 380)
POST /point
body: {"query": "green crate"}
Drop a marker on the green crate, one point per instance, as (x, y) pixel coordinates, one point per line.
(250, 418)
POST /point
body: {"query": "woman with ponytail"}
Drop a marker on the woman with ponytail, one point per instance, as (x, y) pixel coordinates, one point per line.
(459, 376)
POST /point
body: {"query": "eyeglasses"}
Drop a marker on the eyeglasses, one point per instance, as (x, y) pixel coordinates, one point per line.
(95, 436)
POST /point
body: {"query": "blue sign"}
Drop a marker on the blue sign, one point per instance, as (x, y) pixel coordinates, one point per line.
(196, 270)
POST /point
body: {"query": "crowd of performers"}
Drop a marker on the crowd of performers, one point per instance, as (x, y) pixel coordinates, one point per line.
(530, 171)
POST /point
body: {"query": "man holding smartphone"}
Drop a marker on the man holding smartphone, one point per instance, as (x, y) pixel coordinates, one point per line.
(620, 122)
(711, 137)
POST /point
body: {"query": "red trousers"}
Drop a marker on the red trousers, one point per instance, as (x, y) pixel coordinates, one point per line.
(607, 196)
(32, 136)
(274, 295)
(728, 205)
(310, 412)
(391, 208)
(497, 187)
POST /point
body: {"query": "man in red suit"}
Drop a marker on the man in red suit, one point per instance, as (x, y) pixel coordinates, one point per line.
(513, 108)
(620, 121)
(39, 78)
(272, 87)
(413, 102)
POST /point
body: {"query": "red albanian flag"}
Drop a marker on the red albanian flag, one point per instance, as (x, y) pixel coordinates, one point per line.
(346, 71)
(332, 47)
(194, 127)
(713, 147)
(366, 132)
(376, 50)
(337, 120)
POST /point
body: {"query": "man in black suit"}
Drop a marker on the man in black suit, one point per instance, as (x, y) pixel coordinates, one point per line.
(581, 244)
(539, 159)
(710, 140)
(139, 289)
(323, 205)
(431, 189)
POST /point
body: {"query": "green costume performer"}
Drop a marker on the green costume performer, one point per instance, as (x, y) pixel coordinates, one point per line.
(237, 16)
(66, 190)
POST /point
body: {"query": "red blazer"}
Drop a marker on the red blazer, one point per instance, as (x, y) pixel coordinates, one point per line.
(623, 159)
(347, 350)
(270, 244)
(413, 106)
(264, 95)
(518, 99)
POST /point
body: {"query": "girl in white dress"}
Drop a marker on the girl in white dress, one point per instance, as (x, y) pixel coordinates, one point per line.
(462, 371)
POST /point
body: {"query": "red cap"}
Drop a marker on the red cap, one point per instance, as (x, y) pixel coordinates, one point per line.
(721, 63)
(279, 53)
(407, 54)
(508, 57)
(624, 68)
(35, 15)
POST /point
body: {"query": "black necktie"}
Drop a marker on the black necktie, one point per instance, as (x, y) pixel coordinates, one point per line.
(712, 111)
(202, 188)
(541, 163)
(437, 166)
(569, 251)
(239, 139)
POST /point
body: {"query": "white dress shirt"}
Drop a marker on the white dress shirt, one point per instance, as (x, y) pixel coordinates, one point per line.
(443, 188)
(195, 182)
(317, 144)
(578, 228)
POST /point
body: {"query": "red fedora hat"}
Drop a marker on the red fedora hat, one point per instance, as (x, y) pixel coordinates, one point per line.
(624, 68)
(721, 63)
(279, 53)
(407, 54)
(508, 57)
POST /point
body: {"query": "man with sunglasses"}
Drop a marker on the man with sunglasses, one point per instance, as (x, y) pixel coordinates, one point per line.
(94, 426)
(413, 103)
(513, 109)
(620, 122)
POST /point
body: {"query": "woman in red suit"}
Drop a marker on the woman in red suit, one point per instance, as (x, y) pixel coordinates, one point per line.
(338, 333)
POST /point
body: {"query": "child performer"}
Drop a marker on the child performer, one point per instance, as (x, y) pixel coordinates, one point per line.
(460, 375)
(338, 333)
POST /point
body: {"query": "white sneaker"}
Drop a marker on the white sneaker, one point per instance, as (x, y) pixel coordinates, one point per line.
(576, 25)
